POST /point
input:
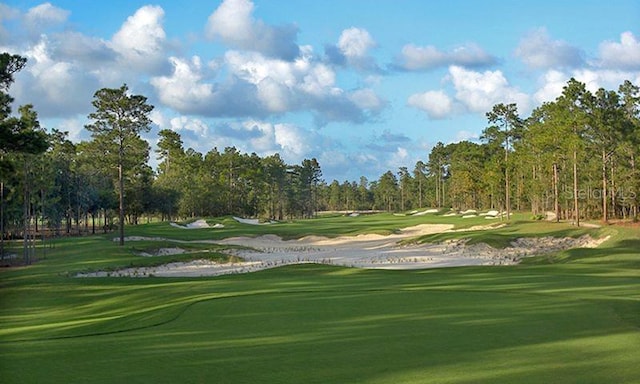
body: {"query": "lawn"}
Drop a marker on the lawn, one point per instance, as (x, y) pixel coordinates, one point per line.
(572, 317)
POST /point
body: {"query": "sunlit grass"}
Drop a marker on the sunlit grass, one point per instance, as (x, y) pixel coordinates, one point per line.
(569, 317)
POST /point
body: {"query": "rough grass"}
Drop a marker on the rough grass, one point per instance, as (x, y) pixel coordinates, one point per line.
(508, 231)
(571, 317)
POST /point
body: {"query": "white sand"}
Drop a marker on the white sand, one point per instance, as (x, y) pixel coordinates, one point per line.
(433, 210)
(195, 225)
(362, 251)
(252, 221)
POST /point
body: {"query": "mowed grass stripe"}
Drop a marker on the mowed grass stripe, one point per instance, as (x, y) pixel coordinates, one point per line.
(351, 337)
(572, 317)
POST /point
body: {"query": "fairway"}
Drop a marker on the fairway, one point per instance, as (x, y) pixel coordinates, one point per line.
(569, 317)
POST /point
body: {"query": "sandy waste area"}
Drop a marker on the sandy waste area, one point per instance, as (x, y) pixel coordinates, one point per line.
(362, 251)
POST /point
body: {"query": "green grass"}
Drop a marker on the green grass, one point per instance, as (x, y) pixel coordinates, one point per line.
(571, 317)
(330, 226)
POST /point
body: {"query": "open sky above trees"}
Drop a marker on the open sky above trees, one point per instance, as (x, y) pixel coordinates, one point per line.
(363, 87)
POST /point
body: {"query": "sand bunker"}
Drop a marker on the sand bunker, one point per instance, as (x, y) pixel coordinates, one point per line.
(252, 221)
(196, 225)
(362, 251)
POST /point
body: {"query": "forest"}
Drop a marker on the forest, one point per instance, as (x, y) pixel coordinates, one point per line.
(574, 156)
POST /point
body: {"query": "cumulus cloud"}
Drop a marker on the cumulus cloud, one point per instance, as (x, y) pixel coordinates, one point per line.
(44, 16)
(56, 88)
(91, 51)
(475, 92)
(604, 78)
(552, 83)
(416, 58)
(292, 142)
(353, 49)
(184, 123)
(624, 55)
(437, 104)
(479, 91)
(233, 23)
(183, 90)
(367, 99)
(258, 86)
(537, 50)
(141, 41)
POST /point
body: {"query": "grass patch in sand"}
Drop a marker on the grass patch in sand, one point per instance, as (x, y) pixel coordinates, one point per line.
(571, 317)
(506, 232)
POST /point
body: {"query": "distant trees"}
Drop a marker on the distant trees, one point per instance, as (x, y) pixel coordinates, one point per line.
(21, 140)
(576, 156)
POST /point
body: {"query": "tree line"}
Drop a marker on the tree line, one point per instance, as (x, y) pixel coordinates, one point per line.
(574, 156)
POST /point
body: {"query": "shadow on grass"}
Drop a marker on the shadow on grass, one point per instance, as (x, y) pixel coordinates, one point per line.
(382, 336)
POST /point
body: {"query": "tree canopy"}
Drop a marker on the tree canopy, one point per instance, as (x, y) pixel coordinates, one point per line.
(574, 157)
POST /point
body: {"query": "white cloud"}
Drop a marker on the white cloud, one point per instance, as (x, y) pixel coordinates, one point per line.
(437, 104)
(552, 83)
(74, 126)
(624, 55)
(605, 78)
(475, 92)
(398, 159)
(141, 41)
(479, 91)
(44, 16)
(414, 58)
(259, 86)
(355, 43)
(353, 49)
(183, 90)
(184, 123)
(538, 50)
(55, 87)
(292, 140)
(232, 23)
(367, 99)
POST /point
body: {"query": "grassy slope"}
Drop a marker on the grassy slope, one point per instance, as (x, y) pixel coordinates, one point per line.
(573, 317)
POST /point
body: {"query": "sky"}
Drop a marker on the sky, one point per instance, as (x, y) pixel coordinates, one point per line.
(363, 86)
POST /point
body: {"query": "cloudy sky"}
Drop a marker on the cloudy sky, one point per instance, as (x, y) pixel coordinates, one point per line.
(364, 86)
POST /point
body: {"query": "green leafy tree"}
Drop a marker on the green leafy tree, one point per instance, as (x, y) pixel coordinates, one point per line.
(19, 136)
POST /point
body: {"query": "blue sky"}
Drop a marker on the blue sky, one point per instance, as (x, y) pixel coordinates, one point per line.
(364, 86)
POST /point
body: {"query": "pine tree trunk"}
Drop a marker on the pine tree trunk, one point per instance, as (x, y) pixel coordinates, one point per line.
(556, 202)
(576, 212)
(121, 202)
(604, 186)
(25, 235)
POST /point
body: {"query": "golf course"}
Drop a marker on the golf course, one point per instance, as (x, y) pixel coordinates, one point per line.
(561, 316)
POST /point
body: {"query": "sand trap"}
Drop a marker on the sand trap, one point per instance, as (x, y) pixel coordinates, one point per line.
(362, 251)
(252, 221)
(414, 213)
(195, 225)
